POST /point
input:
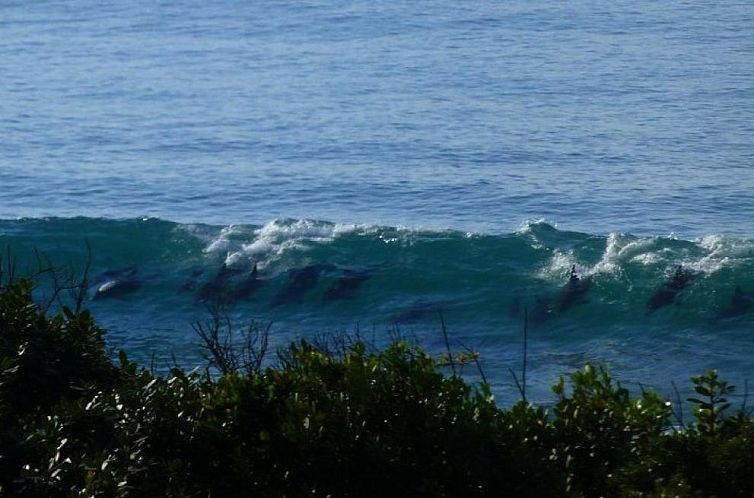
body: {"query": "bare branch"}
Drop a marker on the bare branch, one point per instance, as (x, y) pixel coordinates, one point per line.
(228, 353)
(521, 391)
(447, 343)
(677, 413)
(79, 292)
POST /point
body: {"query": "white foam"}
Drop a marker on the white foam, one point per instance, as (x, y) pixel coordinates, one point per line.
(721, 252)
(277, 237)
(717, 252)
(222, 243)
(620, 248)
(527, 226)
(650, 258)
(560, 265)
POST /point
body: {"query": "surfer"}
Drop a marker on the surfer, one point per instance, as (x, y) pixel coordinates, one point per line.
(667, 294)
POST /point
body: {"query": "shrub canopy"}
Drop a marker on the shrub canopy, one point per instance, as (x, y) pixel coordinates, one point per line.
(356, 422)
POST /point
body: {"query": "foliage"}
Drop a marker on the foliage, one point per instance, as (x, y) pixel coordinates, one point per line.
(339, 421)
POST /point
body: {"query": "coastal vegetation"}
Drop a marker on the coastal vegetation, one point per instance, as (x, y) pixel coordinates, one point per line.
(333, 418)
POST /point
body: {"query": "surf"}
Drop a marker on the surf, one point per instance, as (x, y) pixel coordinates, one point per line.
(313, 276)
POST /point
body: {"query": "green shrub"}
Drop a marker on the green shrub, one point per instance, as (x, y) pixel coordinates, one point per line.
(349, 422)
(44, 361)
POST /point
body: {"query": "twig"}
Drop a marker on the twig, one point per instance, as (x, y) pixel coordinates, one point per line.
(526, 341)
(11, 266)
(746, 399)
(475, 358)
(225, 352)
(679, 413)
(521, 391)
(79, 293)
(447, 343)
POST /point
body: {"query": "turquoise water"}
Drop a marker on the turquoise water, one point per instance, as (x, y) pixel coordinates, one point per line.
(432, 156)
(317, 277)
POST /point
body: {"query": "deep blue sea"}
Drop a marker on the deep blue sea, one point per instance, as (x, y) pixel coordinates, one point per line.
(382, 163)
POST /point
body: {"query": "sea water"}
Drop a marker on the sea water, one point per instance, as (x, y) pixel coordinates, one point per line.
(448, 158)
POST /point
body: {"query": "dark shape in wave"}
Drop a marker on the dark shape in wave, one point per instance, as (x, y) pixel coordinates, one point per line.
(116, 283)
(227, 287)
(190, 283)
(669, 291)
(415, 312)
(740, 304)
(214, 289)
(346, 285)
(247, 287)
(574, 292)
(300, 281)
(541, 310)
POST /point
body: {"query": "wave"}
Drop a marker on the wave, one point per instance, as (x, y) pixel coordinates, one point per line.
(311, 276)
(404, 264)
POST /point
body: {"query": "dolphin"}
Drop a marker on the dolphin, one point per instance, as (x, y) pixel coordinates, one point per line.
(125, 272)
(247, 287)
(190, 283)
(415, 312)
(215, 287)
(574, 292)
(515, 307)
(542, 309)
(116, 288)
(300, 281)
(346, 285)
(740, 303)
(667, 294)
(116, 283)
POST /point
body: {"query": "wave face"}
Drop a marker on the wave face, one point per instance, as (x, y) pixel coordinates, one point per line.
(628, 309)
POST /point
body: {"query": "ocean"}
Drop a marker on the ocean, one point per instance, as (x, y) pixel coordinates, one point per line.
(387, 164)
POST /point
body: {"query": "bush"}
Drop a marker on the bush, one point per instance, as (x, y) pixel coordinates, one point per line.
(346, 421)
(43, 362)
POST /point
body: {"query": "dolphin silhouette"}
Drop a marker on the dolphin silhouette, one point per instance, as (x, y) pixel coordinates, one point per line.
(246, 288)
(116, 288)
(125, 272)
(346, 285)
(116, 283)
(300, 281)
(189, 284)
(215, 287)
(574, 292)
(667, 294)
(415, 312)
(740, 303)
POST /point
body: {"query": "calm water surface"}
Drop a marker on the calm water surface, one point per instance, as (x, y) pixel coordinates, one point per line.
(633, 116)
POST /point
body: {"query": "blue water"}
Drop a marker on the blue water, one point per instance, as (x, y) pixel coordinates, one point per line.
(620, 124)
